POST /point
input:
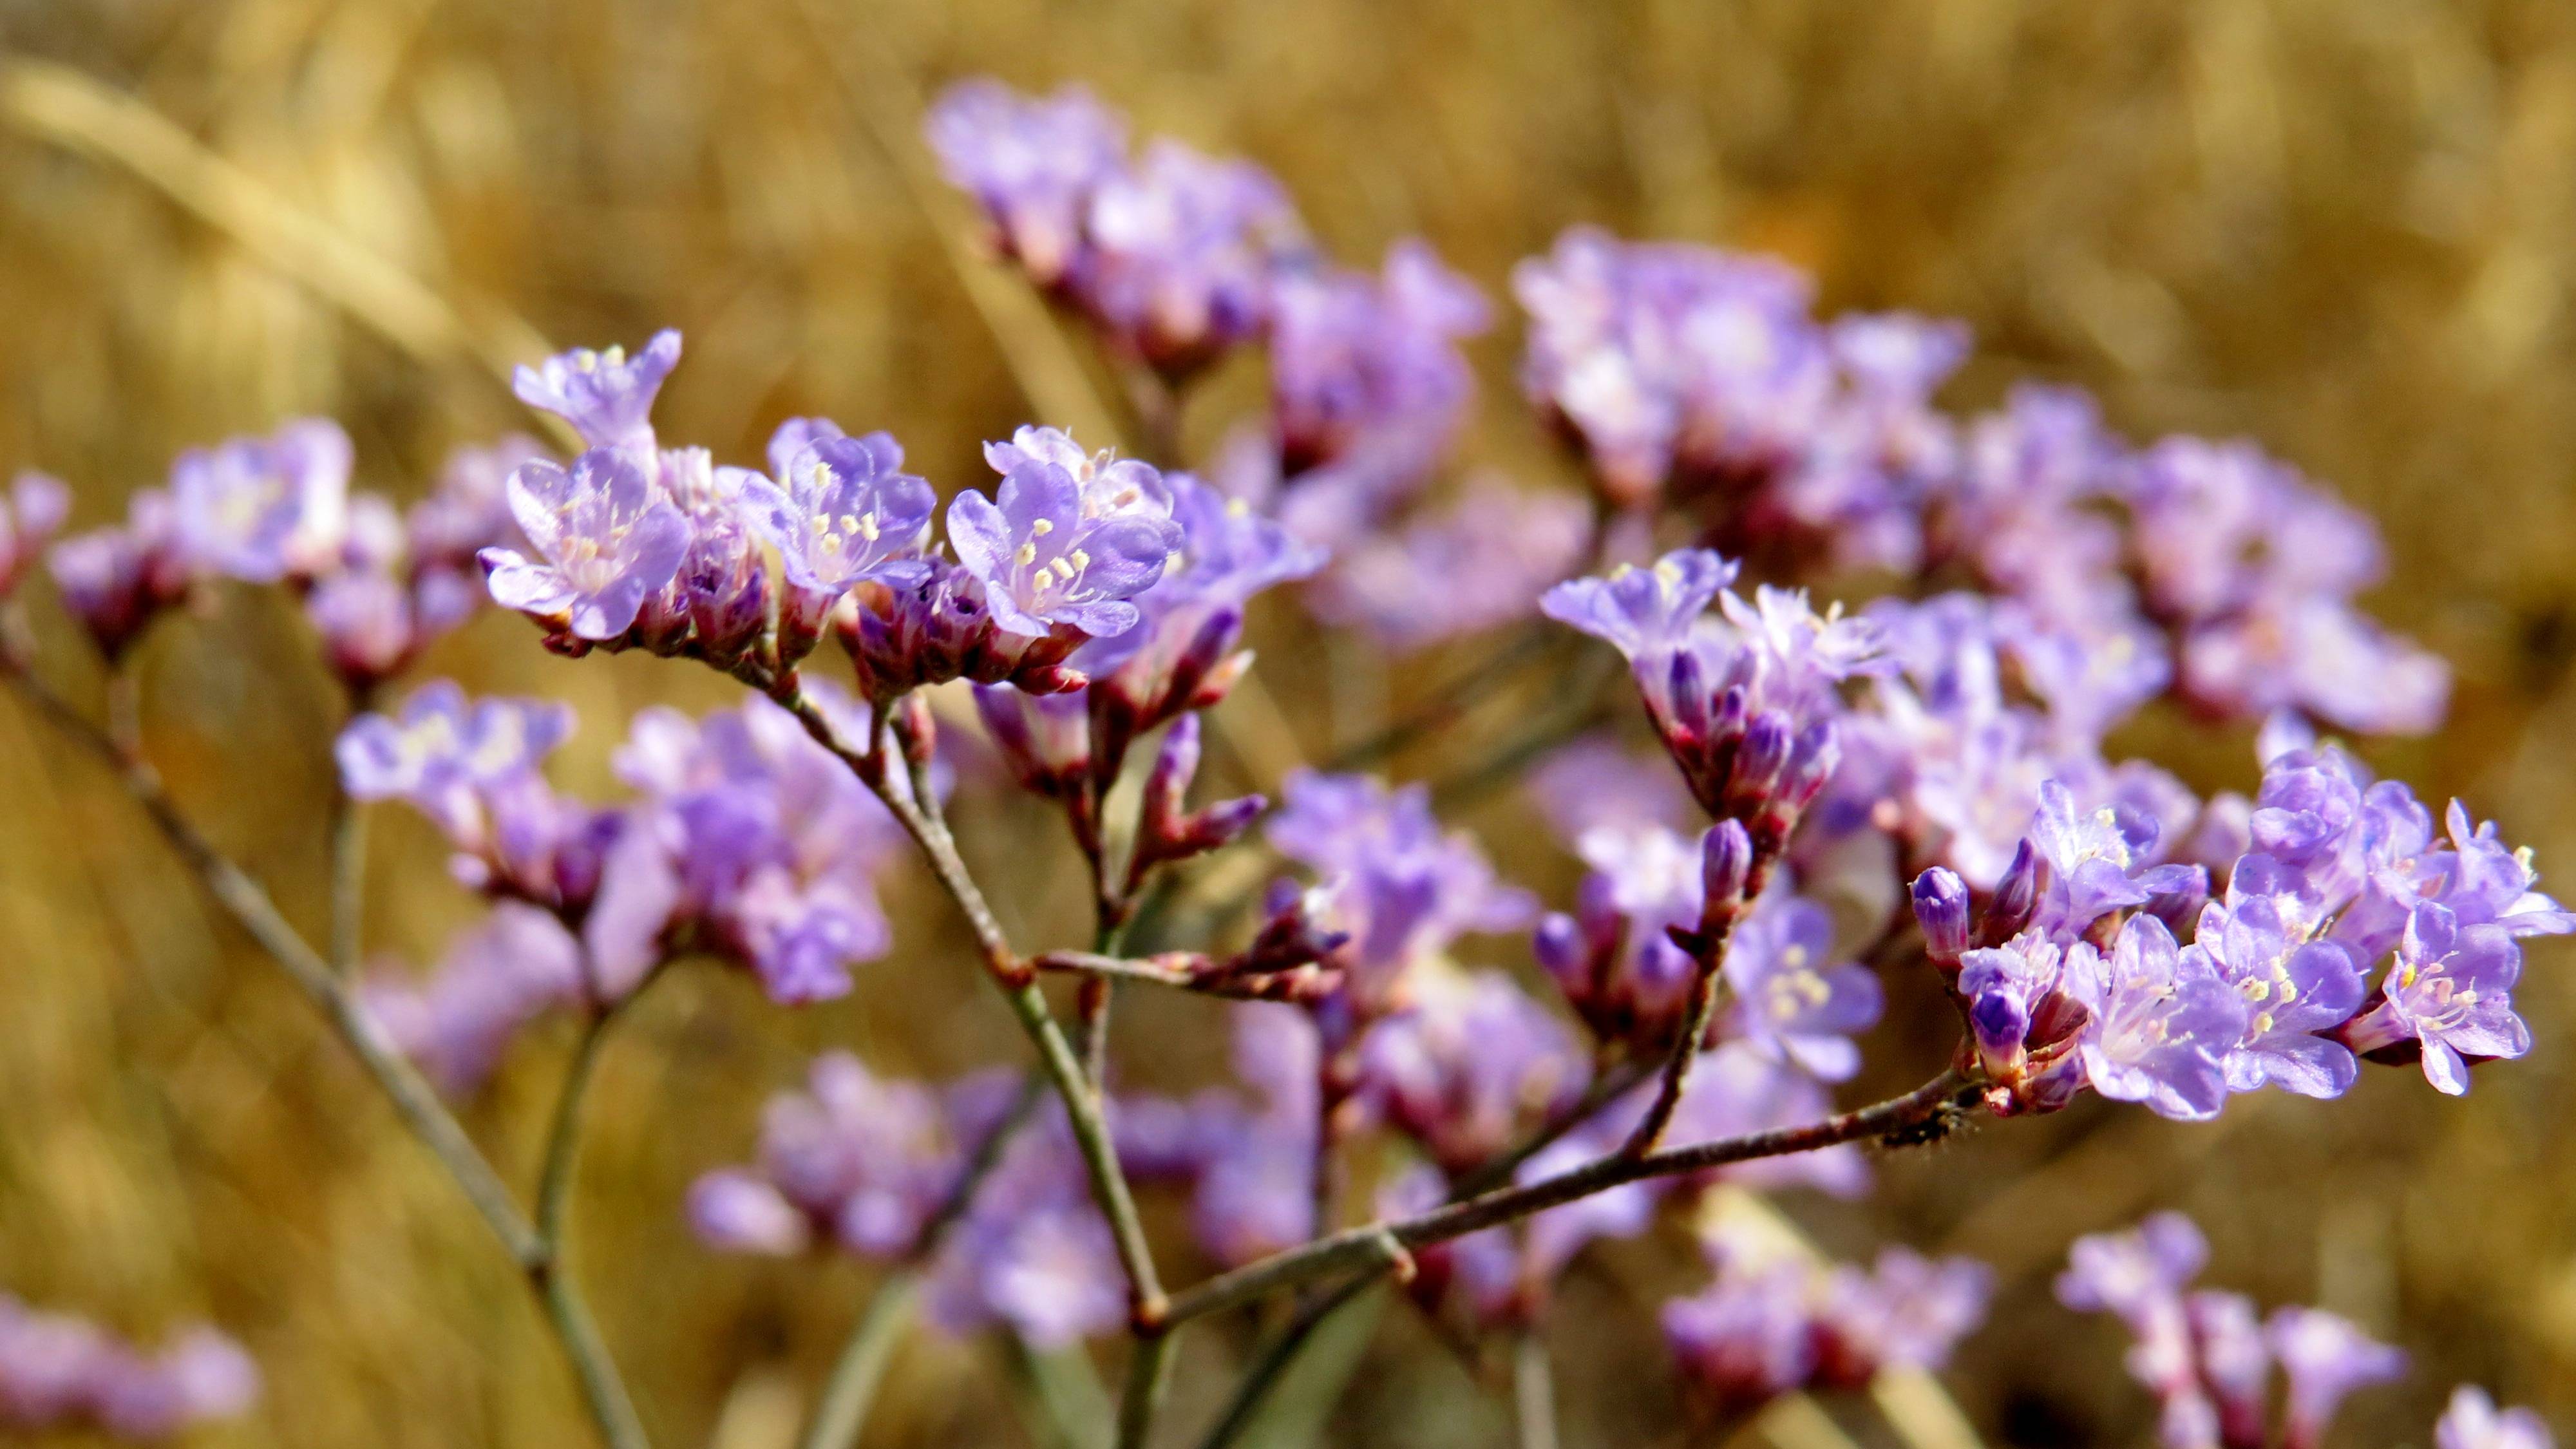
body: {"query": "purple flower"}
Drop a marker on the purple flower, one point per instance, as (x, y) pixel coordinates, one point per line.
(2324, 1357)
(57, 1371)
(116, 580)
(1745, 1339)
(1181, 247)
(734, 1211)
(516, 966)
(469, 508)
(1255, 1176)
(1735, 1090)
(608, 538)
(29, 518)
(1907, 1313)
(1649, 613)
(1064, 547)
(2451, 992)
(2293, 990)
(1595, 782)
(2140, 1276)
(1353, 355)
(2472, 1421)
(265, 509)
(441, 745)
(1789, 1001)
(606, 396)
(2027, 1020)
(840, 511)
(2235, 1363)
(1400, 886)
(2162, 1022)
(1032, 1253)
(2094, 859)
(1467, 1066)
(1482, 561)
(1031, 162)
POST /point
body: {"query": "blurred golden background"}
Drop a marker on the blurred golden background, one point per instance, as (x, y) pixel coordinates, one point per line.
(2348, 230)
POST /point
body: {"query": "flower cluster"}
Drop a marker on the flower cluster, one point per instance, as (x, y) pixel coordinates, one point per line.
(1169, 253)
(378, 586)
(58, 1371)
(2206, 1354)
(2070, 975)
(1772, 1323)
(868, 1165)
(748, 840)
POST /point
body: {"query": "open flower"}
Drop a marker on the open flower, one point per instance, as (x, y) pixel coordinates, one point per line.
(607, 538)
(607, 396)
(843, 510)
(1055, 549)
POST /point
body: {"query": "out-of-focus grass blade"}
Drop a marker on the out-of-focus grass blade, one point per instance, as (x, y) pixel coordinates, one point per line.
(1294, 1415)
(1061, 1398)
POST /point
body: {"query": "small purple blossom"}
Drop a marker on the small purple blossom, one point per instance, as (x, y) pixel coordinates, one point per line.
(517, 965)
(1031, 162)
(2450, 991)
(1061, 547)
(2323, 1357)
(57, 1371)
(1483, 560)
(441, 744)
(2163, 1021)
(2472, 1421)
(2294, 991)
(607, 538)
(841, 511)
(1468, 1066)
(1648, 613)
(1790, 999)
(29, 518)
(1907, 1312)
(265, 509)
(607, 395)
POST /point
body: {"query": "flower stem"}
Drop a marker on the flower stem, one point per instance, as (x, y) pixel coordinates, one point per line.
(1149, 1377)
(1383, 1245)
(601, 1387)
(1533, 1391)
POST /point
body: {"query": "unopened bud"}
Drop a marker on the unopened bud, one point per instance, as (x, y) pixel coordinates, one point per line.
(2016, 898)
(1941, 908)
(1725, 866)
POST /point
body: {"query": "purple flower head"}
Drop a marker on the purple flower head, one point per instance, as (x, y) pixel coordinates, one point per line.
(1064, 544)
(1353, 355)
(1906, 1313)
(2139, 1276)
(2027, 1020)
(2472, 1421)
(2163, 1021)
(1482, 561)
(842, 510)
(1402, 888)
(1180, 654)
(2235, 1363)
(265, 509)
(606, 396)
(368, 625)
(29, 518)
(443, 754)
(1031, 163)
(1468, 1065)
(867, 1159)
(2293, 991)
(2324, 1357)
(734, 1211)
(1031, 1253)
(1649, 613)
(518, 965)
(2491, 883)
(1791, 1000)
(2450, 991)
(1746, 1339)
(1181, 247)
(1596, 782)
(607, 537)
(57, 1371)
(2094, 859)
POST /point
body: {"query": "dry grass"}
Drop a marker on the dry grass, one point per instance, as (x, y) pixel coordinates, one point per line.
(2343, 228)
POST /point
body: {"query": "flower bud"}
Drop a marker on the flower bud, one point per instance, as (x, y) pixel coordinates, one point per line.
(2016, 898)
(1941, 908)
(1759, 762)
(1168, 784)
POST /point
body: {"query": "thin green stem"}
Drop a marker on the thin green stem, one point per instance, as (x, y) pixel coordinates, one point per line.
(249, 905)
(1275, 1357)
(601, 1386)
(1149, 1378)
(1094, 1001)
(852, 1388)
